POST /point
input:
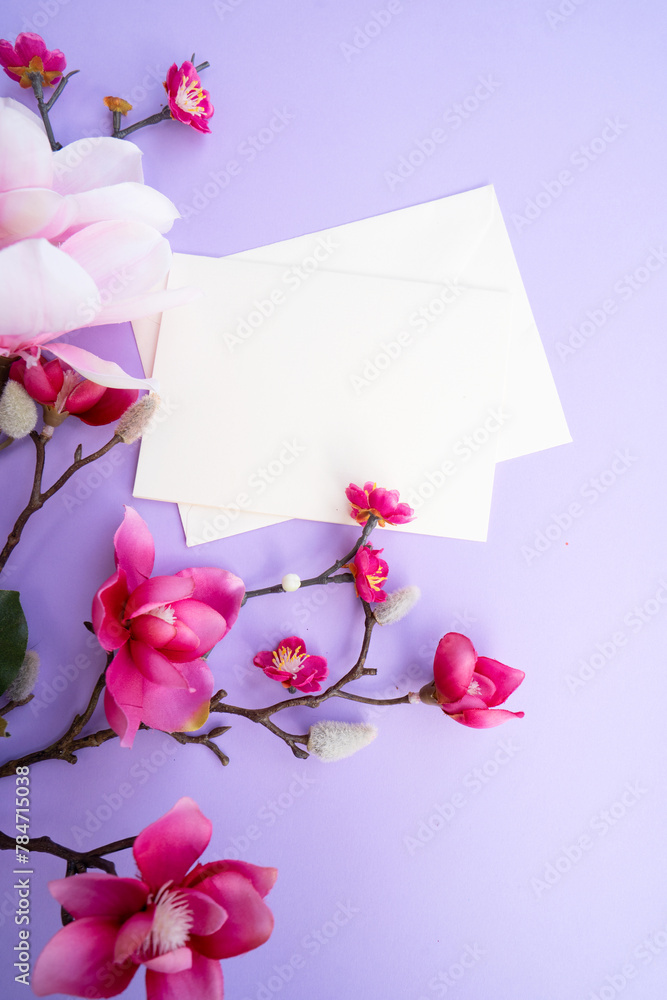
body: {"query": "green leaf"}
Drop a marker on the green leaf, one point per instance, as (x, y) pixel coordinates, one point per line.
(13, 637)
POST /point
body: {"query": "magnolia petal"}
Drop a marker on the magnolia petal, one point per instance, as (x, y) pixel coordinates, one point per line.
(185, 646)
(106, 373)
(43, 382)
(108, 605)
(96, 162)
(207, 915)
(134, 548)
(453, 666)
(126, 201)
(218, 588)
(79, 961)
(26, 159)
(112, 405)
(203, 979)
(97, 894)
(263, 879)
(173, 961)
(153, 630)
(468, 701)
(167, 848)
(200, 620)
(50, 293)
(485, 718)
(179, 709)
(506, 679)
(150, 594)
(249, 922)
(155, 667)
(31, 212)
(83, 396)
(125, 687)
(132, 935)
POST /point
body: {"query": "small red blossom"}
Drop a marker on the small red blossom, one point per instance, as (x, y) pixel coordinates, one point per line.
(29, 54)
(293, 666)
(369, 574)
(383, 504)
(188, 101)
(469, 687)
(62, 392)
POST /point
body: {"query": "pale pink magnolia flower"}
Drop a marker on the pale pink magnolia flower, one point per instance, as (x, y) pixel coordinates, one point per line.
(176, 924)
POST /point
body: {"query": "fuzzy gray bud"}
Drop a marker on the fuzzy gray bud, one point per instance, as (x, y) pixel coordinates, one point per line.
(397, 605)
(136, 419)
(331, 740)
(24, 683)
(18, 413)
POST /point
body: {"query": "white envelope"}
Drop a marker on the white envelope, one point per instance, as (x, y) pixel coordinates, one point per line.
(459, 241)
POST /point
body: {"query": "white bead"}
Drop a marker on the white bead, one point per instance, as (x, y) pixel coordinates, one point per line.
(290, 582)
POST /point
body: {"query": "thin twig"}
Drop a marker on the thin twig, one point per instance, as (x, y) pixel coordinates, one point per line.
(82, 860)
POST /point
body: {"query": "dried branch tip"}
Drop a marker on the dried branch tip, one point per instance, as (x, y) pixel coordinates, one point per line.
(330, 740)
(136, 419)
(24, 683)
(18, 413)
(397, 605)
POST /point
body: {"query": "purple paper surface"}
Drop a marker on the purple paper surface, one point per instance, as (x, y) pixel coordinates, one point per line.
(526, 861)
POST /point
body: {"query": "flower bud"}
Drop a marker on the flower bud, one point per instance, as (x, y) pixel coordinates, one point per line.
(290, 582)
(24, 683)
(136, 419)
(330, 740)
(18, 413)
(428, 696)
(397, 605)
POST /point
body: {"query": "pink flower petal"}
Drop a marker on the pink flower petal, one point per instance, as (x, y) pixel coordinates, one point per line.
(478, 718)
(125, 686)
(110, 407)
(220, 589)
(201, 982)
(173, 961)
(152, 630)
(249, 922)
(31, 212)
(49, 293)
(454, 666)
(96, 162)
(134, 548)
(126, 201)
(199, 620)
(106, 373)
(262, 879)
(207, 915)
(83, 396)
(96, 894)
(179, 709)
(155, 667)
(170, 846)
(132, 935)
(26, 160)
(506, 679)
(108, 605)
(158, 590)
(79, 960)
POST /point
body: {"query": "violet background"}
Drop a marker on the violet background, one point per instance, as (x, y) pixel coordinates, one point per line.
(395, 919)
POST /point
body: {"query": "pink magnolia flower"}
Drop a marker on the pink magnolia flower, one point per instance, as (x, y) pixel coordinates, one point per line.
(161, 628)
(80, 243)
(29, 54)
(369, 572)
(469, 687)
(383, 504)
(176, 924)
(293, 666)
(62, 392)
(188, 101)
